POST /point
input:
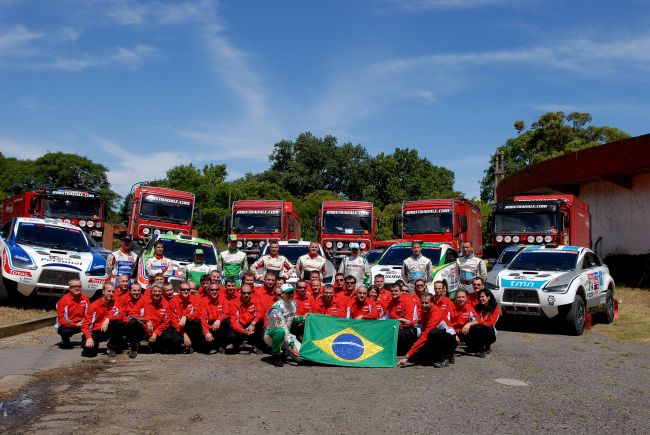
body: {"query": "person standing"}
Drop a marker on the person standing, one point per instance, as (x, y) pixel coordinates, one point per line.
(122, 261)
(234, 261)
(355, 265)
(417, 266)
(311, 262)
(272, 262)
(194, 271)
(158, 263)
(470, 265)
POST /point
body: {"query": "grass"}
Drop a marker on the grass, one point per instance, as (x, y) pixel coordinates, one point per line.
(11, 314)
(633, 323)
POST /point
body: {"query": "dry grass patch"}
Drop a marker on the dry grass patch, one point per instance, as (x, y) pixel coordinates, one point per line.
(12, 314)
(633, 322)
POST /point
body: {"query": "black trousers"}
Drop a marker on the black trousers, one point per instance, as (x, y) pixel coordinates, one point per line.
(113, 336)
(221, 336)
(169, 341)
(406, 336)
(480, 337)
(194, 331)
(440, 346)
(66, 332)
(254, 340)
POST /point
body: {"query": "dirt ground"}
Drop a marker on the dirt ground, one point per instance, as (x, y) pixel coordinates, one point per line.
(532, 382)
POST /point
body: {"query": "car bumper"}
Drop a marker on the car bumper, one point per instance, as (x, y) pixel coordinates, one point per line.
(53, 281)
(531, 302)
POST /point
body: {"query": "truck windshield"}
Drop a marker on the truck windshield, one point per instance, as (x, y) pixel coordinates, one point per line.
(537, 260)
(346, 224)
(428, 223)
(166, 209)
(395, 255)
(525, 223)
(51, 236)
(184, 251)
(256, 223)
(72, 207)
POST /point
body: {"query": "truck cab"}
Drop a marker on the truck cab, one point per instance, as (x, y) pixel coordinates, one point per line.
(343, 222)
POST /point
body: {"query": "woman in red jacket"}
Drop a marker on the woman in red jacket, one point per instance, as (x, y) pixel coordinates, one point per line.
(482, 331)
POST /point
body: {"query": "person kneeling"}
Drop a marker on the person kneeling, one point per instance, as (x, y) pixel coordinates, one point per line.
(97, 326)
(481, 333)
(280, 318)
(437, 342)
(246, 321)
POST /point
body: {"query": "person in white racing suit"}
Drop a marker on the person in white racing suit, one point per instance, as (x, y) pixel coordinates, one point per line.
(355, 265)
(122, 261)
(417, 266)
(158, 263)
(280, 317)
(311, 262)
(233, 261)
(470, 266)
(272, 262)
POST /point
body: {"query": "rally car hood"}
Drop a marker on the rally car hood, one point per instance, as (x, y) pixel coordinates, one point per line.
(509, 278)
(50, 257)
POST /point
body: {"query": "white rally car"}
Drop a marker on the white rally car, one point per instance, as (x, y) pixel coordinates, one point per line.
(41, 255)
(556, 281)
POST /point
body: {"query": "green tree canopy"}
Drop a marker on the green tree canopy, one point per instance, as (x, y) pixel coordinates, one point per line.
(552, 135)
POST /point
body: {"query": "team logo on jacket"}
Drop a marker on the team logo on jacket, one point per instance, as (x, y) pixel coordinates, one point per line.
(348, 346)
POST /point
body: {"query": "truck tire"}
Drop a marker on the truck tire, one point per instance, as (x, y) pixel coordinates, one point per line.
(575, 318)
(607, 316)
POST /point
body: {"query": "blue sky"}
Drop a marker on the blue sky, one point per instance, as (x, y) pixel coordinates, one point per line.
(142, 86)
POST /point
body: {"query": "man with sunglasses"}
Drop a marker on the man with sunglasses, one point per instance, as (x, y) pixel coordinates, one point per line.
(215, 320)
(246, 321)
(346, 297)
(71, 310)
(185, 315)
(339, 280)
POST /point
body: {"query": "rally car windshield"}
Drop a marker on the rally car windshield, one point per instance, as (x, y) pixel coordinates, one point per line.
(507, 255)
(396, 255)
(170, 212)
(373, 255)
(51, 236)
(256, 223)
(537, 260)
(72, 207)
(184, 251)
(339, 224)
(428, 223)
(525, 223)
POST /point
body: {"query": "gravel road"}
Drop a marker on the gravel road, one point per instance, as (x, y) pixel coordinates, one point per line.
(532, 382)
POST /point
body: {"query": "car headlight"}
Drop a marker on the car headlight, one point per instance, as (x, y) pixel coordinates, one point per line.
(329, 245)
(557, 288)
(23, 263)
(339, 245)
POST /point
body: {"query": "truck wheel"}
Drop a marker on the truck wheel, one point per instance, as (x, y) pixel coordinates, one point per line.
(575, 318)
(607, 316)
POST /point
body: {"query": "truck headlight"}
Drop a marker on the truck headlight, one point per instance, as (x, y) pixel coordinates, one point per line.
(146, 231)
(240, 244)
(249, 244)
(499, 239)
(362, 245)
(329, 245)
(339, 245)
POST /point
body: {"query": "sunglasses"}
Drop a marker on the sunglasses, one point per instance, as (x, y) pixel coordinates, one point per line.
(75, 286)
(301, 287)
(185, 289)
(246, 293)
(340, 279)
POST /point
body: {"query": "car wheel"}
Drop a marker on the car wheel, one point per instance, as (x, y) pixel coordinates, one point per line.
(575, 318)
(607, 316)
(11, 290)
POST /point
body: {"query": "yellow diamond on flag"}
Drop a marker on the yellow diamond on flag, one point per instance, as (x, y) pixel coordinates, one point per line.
(348, 345)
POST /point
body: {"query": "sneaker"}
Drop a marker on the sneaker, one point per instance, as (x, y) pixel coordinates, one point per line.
(133, 353)
(480, 354)
(258, 351)
(277, 361)
(222, 350)
(65, 344)
(189, 350)
(111, 353)
(452, 359)
(440, 364)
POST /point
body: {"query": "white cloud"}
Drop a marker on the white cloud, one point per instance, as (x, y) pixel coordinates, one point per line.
(14, 40)
(22, 148)
(417, 5)
(133, 12)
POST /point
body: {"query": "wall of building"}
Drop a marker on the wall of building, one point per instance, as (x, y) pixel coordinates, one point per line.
(620, 216)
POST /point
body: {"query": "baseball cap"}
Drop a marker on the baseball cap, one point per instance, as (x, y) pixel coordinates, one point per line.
(198, 252)
(354, 245)
(287, 288)
(232, 238)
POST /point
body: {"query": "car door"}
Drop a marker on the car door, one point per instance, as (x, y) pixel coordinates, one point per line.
(592, 278)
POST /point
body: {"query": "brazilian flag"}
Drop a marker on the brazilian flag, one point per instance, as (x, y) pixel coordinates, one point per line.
(350, 342)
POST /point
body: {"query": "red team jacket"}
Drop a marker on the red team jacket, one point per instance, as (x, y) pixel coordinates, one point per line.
(211, 311)
(97, 312)
(368, 310)
(304, 304)
(156, 313)
(241, 315)
(71, 310)
(462, 316)
(428, 321)
(401, 308)
(332, 309)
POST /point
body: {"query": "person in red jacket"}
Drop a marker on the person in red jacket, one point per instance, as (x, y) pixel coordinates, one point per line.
(229, 296)
(419, 290)
(168, 291)
(401, 308)
(185, 316)
(437, 342)
(122, 287)
(246, 321)
(363, 307)
(71, 310)
(316, 286)
(347, 296)
(215, 321)
(97, 325)
(374, 295)
(327, 305)
(305, 303)
(385, 296)
(462, 313)
(265, 296)
(339, 280)
(477, 285)
(440, 301)
(481, 332)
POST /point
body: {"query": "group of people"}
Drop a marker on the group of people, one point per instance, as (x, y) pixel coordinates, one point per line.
(212, 313)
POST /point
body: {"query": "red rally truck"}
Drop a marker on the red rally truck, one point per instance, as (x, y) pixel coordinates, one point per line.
(83, 208)
(343, 222)
(156, 210)
(541, 219)
(443, 220)
(258, 221)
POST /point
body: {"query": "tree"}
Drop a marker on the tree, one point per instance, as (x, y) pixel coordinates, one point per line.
(309, 208)
(552, 135)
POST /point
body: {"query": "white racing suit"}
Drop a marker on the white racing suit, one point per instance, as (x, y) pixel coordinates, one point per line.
(121, 263)
(278, 265)
(469, 268)
(155, 265)
(280, 317)
(357, 267)
(419, 267)
(307, 264)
